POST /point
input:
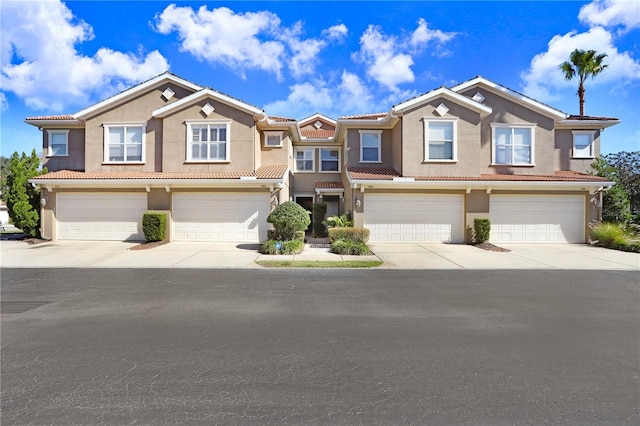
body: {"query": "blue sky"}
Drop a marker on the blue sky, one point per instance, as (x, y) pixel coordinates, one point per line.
(297, 58)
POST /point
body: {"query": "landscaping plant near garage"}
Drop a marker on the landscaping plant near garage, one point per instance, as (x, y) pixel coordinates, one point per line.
(349, 241)
(616, 236)
(289, 221)
(154, 226)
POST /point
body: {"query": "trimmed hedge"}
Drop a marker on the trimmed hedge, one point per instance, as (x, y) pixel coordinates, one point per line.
(287, 219)
(481, 229)
(319, 212)
(154, 226)
(285, 247)
(353, 234)
(350, 247)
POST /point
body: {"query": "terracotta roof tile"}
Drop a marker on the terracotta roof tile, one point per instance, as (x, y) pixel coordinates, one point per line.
(51, 117)
(377, 173)
(329, 185)
(265, 172)
(281, 119)
(589, 118)
(363, 116)
(317, 133)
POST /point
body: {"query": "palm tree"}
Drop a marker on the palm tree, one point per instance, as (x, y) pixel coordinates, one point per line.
(584, 64)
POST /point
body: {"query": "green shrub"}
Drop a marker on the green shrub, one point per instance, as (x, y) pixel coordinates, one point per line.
(319, 212)
(299, 236)
(343, 221)
(481, 229)
(353, 234)
(350, 247)
(282, 247)
(610, 235)
(288, 218)
(154, 226)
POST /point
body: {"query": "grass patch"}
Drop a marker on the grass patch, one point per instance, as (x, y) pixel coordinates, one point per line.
(319, 263)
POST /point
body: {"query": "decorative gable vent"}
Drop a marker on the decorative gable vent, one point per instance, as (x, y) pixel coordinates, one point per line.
(442, 110)
(168, 93)
(317, 124)
(478, 97)
(207, 109)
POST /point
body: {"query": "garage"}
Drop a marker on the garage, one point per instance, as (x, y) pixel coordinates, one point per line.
(537, 219)
(414, 218)
(233, 217)
(100, 216)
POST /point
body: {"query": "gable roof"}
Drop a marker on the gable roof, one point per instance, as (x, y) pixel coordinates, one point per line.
(512, 95)
(135, 90)
(202, 94)
(317, 116)
(445, 93)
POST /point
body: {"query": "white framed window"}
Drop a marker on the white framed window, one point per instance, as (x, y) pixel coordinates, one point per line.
(208, 141)
(370, 144)
(440, 140)
(124, 143)
(272, 139)
(329, 160)
(513, 144)
(305, 160)
(583, 144)
(58, 143)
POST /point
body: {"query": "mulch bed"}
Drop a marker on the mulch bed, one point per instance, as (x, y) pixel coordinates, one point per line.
(490, 247)
(148, 245)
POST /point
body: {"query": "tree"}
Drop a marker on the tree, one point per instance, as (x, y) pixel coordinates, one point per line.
(23, 199)
(627, 174)
(583, 64)
(289, 218)
(4, 171)
(615, 201)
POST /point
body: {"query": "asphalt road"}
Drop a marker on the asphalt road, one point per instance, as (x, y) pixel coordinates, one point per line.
(357, 347)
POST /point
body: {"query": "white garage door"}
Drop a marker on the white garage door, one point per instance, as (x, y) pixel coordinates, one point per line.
(403, 218)
(537, 219)
(220, 217)
(100, 216)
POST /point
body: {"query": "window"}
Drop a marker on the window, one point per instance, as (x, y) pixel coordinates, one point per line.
(304, 160)
(329, 160)
(370, 146)
(58, 143)
(272, 139)
(513, 145)
(124, 143)
(440, 137)
(207, 142)
(583, 144)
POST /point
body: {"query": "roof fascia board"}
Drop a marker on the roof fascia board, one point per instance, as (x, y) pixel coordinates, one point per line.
(134, 91)
(447, 93)
(476, 184)
(519, 98)
(201, 94)
(588, 124)
(153, 183)
(317, 116)
(55, 123)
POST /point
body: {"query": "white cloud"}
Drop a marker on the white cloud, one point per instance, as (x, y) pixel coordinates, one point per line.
(41, 65)
(544, 79)
(304, 52)
(4, 103)
(389, 58)
(612, 13)
(337, 32)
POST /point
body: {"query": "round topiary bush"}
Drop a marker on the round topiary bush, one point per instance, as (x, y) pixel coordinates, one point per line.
(289, 218)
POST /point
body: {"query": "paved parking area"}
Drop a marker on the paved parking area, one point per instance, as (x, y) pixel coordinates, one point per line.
(112, 254)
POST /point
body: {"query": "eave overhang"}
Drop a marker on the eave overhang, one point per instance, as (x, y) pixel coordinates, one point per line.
(55, 123)
(586, 124)
(241, 183)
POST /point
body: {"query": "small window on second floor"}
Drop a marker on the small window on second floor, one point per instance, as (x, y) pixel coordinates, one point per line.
(124, 143)
(370, 146)
(329, 160)
(440, 140)
(208, 142)
(58, 143)
(583, 144)
(513, 145)
(272, 139)
(304, 160)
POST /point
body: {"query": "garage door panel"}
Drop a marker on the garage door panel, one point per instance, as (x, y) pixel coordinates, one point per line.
(100, 216)
(231, 217)
(537, 219)
(407, 218)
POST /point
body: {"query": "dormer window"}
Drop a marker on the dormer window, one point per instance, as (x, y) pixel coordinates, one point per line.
(272, 139)
(583, 144)
(58, 143)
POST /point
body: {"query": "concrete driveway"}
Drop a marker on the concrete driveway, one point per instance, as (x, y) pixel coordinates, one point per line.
(112, 254)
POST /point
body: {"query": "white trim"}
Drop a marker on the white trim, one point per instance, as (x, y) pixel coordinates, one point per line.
(337, 149)
(317, 116)
(446, 93)
(50, 133)
(313, 160)
(591, 145)
(371, 132)
(209, 124)
(106, 143)
(531, 127)
(517, 97)
(454, 143)
(202, 94)
(162, 78)
(279, 134)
